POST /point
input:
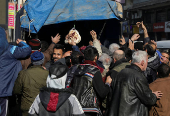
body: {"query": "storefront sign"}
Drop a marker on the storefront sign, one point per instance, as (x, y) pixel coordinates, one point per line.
(167, 26)
(11, 15)
(159, 27)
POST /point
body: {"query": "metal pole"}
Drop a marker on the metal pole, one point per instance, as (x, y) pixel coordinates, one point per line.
(14, 19)
(19, 2)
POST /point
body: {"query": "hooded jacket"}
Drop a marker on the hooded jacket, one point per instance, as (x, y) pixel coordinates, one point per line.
(56, 102)
(9, 65)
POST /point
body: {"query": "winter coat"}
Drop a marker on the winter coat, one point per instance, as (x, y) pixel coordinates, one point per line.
(161, 108)
(151, 70)
(9, 65)
(120, 64)
(117, 67)
(56, 102)
(131, 95)
(28, 84)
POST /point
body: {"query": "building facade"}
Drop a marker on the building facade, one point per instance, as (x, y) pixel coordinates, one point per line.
(4, 14)
(154, 13)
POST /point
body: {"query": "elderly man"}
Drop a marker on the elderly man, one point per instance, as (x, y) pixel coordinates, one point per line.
(119, 61)
(131, 94)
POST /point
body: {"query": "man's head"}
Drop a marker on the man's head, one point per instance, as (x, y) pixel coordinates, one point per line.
(163, 71)
(165, 57)
(118, 54)
(44, 46)
(35, 45)
(58, 52)
(150, 49)
(113, 47)
(106, 60)
(140, 59)
(37, 58)
(128, 53)
(76, 57)
(91, 53)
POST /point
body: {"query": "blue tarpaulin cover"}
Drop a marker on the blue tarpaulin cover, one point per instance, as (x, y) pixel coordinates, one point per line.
(45, 12)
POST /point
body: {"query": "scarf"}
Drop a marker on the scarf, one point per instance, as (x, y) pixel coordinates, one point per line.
(93, 63)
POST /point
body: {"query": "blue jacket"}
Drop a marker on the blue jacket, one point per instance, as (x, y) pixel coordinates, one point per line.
(9, 65)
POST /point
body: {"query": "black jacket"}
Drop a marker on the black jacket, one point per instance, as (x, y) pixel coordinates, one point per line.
(89, 88)
(56, 102)
(131, 94)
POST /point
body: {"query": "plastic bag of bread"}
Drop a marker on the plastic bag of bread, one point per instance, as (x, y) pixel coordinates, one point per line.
(73, 35)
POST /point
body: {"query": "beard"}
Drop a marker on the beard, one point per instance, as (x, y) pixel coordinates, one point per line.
(55, 59)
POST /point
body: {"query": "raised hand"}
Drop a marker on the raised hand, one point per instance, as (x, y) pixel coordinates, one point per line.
(131, 45)
(93, 34)
(135, 37)
(56, 39)
(18, 41)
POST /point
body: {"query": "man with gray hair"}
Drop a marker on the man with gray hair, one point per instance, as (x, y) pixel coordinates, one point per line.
(106, 60)
(131, 95)
(113, 47)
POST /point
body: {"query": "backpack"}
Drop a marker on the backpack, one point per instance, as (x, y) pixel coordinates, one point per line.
(83, 88)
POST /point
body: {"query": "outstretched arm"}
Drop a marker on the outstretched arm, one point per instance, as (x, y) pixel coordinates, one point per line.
(96, 42)
(49, 51)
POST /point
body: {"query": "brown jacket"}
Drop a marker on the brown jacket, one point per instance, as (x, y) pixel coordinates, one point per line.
(162, 106)
(47, 54)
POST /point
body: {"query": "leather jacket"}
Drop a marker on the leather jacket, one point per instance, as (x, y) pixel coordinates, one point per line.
(83, 88)
(131, 94)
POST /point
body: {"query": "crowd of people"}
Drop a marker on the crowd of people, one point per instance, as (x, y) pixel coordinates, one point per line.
(127, 79)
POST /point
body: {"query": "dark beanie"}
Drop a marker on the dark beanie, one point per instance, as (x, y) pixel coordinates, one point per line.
(37, 58)
(35, 44)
